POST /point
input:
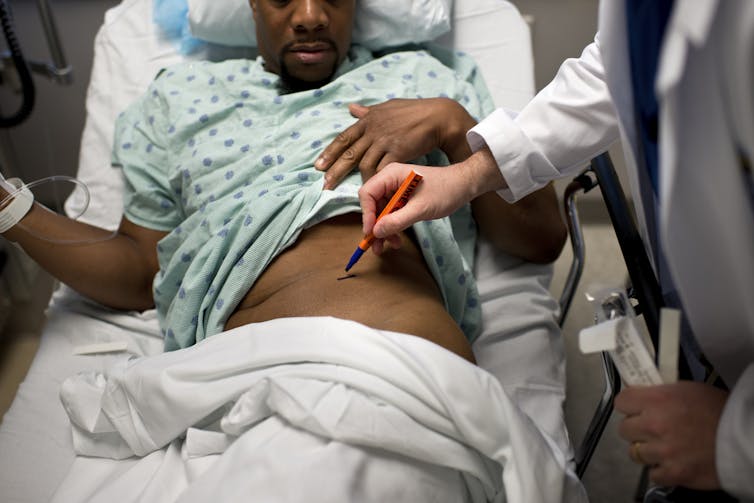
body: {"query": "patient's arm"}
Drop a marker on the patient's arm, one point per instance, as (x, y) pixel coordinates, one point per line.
(402, 130)
(532, 228)
(113, 268)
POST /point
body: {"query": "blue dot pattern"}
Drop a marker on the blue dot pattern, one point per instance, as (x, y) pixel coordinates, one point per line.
(217, 158)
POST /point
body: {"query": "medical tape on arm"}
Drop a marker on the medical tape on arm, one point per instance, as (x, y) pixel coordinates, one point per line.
(21, 202)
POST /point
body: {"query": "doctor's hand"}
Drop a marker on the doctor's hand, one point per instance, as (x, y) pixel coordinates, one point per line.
(672, 429)
(441, 192)
(399, 130)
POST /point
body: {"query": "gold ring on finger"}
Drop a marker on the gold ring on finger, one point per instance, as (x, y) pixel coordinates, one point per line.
(635, 453)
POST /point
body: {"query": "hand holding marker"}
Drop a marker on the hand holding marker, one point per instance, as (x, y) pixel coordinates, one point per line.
(398, 201)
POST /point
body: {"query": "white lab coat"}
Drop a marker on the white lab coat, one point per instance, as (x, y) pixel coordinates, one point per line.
(705, 85)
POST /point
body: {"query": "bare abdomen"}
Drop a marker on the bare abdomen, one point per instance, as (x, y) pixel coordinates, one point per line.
(394, 291)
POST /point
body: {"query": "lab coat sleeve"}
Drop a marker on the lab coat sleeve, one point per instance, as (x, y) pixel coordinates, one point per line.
(566, 124)
(735, 439)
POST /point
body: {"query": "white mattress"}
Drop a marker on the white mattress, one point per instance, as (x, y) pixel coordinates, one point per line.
(520, 345)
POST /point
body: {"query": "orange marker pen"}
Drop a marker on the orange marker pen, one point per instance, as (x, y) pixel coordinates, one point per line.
(398, 201)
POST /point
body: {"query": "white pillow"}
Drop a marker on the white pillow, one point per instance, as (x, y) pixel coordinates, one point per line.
(378, 23)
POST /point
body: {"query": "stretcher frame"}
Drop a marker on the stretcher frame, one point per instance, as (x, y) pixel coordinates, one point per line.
(643, 289)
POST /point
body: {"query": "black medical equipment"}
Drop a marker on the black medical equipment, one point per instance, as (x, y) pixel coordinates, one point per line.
(59, 71)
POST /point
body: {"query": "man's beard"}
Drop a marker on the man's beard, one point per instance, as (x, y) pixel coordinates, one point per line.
(289, 84)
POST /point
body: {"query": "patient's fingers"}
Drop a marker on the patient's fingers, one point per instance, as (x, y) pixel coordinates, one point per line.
(345, 163)
(340, 144)
(373, 160)
(358, 110)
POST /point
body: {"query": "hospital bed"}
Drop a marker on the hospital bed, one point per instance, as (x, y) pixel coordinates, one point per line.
(520, 345)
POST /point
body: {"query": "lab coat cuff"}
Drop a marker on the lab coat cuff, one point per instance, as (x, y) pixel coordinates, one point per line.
(734, 454)
(509, 147)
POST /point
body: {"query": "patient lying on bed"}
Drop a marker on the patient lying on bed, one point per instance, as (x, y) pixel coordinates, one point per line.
(226, 221)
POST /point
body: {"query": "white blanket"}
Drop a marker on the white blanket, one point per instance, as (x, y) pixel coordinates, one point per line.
(314, 409)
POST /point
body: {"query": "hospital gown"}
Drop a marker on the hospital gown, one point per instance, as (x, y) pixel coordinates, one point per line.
(217, 157)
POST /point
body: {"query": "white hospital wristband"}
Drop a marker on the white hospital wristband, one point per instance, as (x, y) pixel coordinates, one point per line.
(17, 209)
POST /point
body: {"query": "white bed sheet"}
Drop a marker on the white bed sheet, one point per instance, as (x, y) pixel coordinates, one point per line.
(520, 345)
(272, 408)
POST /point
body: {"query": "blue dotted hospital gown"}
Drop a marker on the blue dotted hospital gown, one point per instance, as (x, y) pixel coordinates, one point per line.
(214, 155)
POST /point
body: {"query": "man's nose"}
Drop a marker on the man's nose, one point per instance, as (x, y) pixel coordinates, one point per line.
(310, 15)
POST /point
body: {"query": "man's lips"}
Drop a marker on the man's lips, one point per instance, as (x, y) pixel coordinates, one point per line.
(311, 52)
(311, 47)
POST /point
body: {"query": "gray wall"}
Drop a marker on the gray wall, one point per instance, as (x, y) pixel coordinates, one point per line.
(48, 142)
(560, 30)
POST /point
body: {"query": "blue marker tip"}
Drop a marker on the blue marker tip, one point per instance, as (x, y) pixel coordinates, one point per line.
(354, 258)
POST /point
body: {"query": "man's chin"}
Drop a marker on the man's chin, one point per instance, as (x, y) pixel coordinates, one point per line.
(304, 80)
